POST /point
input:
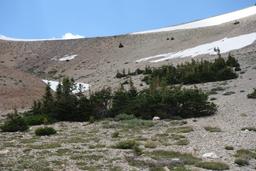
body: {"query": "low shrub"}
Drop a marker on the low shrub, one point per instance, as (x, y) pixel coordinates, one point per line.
(127, 144)
(252, 95)
(242, 162)
(45, 131)
(115, 135)
(212, 129)
(150, 144)
(14, 123)
(229, 148)
(213, 165)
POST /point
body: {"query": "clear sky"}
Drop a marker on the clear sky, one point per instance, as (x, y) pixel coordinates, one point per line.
(38, 19)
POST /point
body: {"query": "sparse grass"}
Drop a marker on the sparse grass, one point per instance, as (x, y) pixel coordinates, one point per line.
(177, 136)
(182, 142)
(95, 146)
(157, 169)
(62, 152)
(245, 154)
(242, 162)
(136, 124)
(74, 140)
(186, 158)
(150, 144)
(213, 165)
(212, 129)
(249, 129)
(186, 129)
(180, 168)
(45, 146)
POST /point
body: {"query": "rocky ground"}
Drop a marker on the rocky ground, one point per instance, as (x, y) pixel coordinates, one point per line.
(162, 144)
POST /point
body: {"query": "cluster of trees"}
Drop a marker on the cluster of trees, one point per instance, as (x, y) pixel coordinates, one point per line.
(195, 72)
(165, 102)
(190, 72)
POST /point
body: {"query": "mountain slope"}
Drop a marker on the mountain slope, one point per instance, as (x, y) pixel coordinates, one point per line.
(95, 61)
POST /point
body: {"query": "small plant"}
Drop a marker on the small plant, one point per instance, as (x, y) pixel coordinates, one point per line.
(252, 95)
(213, 165)
(115, 135)
(212, 129)
(14, 123)
(229, 148)
(46, 131)
(242, 162)
(127, 144)
(150, 144)
(213, 98)
(137, 150)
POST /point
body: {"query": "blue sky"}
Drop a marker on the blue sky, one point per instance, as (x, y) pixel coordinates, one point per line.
(38, 19)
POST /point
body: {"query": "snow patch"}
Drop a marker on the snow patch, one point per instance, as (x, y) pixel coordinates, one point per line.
(67, 58)
(213, 21)
(78, 86)
(225, 45)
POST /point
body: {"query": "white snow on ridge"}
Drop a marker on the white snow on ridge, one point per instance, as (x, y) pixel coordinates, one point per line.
(213, 21)
(78, 86)
(225, 45)
(67, 58)
(66, 36)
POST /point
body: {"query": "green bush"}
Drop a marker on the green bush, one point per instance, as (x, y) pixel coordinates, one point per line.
(37, 119)
(14, 123)
(45, 131)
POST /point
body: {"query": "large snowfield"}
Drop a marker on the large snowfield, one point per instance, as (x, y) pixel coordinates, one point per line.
(213, 21)
(78, 86)
(225, 45)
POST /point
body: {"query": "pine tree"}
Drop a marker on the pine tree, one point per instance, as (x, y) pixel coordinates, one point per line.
(47, 101)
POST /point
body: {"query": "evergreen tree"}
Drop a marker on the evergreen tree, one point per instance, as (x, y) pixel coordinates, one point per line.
(47, 101)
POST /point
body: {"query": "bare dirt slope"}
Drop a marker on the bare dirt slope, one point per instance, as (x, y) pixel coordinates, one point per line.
(18, 90)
